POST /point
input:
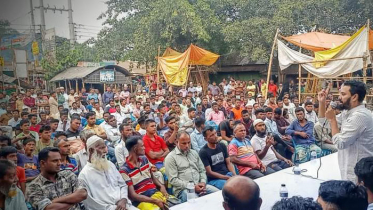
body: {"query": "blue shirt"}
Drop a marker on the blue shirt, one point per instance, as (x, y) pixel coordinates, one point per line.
(197, 139)
(308, 128)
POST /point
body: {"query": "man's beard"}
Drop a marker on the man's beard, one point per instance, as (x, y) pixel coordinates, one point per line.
(260, 133)
(246, 120)
(346, 105)
(99, 162)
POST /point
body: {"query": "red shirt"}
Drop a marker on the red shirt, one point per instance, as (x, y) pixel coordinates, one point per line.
(35, 128)
(20, 175)
(154, 146)
(273, 89)
(29, 101)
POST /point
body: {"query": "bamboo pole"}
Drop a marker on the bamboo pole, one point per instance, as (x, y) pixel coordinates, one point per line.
(365, 59)
(334, 59)
(76, 86)
(300, 76)
(70, 86)
(158, 67)
(83, 83)
(270, 62)
(15, 68)
(186, 82)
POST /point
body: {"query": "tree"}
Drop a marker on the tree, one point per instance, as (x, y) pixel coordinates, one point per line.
(5, 29)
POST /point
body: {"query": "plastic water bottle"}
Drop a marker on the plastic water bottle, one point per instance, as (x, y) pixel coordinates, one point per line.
(283, 191)
(296, 169)
(313, 157)
(190, 192)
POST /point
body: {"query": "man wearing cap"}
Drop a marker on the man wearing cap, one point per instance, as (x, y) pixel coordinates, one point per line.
(105, 186)
(263, 147)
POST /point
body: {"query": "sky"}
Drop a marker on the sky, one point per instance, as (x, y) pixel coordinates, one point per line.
(85, 12)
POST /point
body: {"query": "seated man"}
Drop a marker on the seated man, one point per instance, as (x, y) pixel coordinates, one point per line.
(54, 189)
(216, 115)
(196, 137)
(120, 150)
(242, 154)
(187, 121)
(29, 161)
(246, 121)
(10, 196)
(259, 114)
(226, 131)
(342, 195)
(10, 153)
(323, 138)
(155, 147)
(101, 180)
(170, 135)
(67, 163)
(263, 147)
(215, 158)
(364, 173)
(302, 132)
(145, 190)
(280, 121)
(184, 165)
(241, 193)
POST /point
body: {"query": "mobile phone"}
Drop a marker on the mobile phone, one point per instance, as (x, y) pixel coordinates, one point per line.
(269, 134)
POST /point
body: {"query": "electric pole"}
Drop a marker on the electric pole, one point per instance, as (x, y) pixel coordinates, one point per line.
(32, 17)
(71, 24)
(42, 26)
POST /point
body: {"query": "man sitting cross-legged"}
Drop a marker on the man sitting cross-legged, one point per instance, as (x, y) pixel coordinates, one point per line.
(214, 156)
(183, 165)
(263, 147)
(146, 192)
(105, 186)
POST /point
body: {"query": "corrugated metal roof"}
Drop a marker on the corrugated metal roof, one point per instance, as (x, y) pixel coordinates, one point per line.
(74, 73)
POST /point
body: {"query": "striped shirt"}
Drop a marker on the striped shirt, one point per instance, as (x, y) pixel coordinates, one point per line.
(354, 140)
(71, 165)
(139, 177)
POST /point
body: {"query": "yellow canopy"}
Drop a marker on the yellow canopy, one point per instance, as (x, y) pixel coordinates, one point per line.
(175, 66)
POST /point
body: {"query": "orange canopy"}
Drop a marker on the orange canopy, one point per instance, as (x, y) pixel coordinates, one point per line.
(318, 41)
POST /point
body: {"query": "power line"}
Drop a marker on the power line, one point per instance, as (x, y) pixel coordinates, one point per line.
(23, 15)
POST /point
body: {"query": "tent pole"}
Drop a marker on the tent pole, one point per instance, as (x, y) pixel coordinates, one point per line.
(186, 82)
(76, 86)
(365, 59)
(159, 49)
(83, 83)
(300, 77)
(270, 62)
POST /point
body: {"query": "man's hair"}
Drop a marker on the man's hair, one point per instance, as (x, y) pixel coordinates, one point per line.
(298, 203)
(86, 134)
(6, 138)
(111, 117)
(214, 104)
(141, 120)
(244, 112)
(308, 103)
(5, 151)
(23, 122)
(121, 126)
(344, 195)
(89, 114)
(316, 105)
(180, 133)
(45, 128)
(44, 153)
(75, 116)
(24, 114)
(208, 128)
(41, 114)
(60, 133)
(31, 116)
(54, 121)
(16, 110)
(26, 141)
(364, 172)
(148, 121)
(191, 110)
(268, 109)
(258, 111)
(132, 141)
(299, 109)
(64, 113)
(239, 204)
(5, 165)
(199, 121)
(357, 87)
(169, 118)
(278, 111)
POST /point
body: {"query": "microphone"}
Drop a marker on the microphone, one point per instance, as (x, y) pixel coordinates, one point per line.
(333, 104)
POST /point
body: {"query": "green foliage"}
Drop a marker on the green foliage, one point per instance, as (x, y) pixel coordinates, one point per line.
(67, 56)
(5, 28)
(244, 27)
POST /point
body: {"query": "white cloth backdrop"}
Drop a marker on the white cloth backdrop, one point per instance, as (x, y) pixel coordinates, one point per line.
(355, 48)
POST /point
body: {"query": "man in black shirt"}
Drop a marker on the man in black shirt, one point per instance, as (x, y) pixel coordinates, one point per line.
(225, 130)
(215, 158)
(72, 134)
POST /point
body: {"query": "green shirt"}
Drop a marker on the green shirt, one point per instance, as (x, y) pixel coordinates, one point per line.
(33, 134)
(16, 202)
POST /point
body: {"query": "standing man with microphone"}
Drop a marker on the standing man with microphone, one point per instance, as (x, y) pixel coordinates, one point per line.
(354, 139)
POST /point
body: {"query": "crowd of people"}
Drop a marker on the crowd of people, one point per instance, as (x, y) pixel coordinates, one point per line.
(87, 150)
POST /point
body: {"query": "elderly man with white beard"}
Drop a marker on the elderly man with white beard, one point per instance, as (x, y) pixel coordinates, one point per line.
(105, 186)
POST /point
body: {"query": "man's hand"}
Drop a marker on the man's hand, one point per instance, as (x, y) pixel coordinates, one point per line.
(163, 191)
(321, 97)
(160, 204)
(269, 141)
(197, 188)
(262, 167)
(289, 162)
(203, 188)
(176, 128)
(122, 204)
(303, 135)
(330, 114)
